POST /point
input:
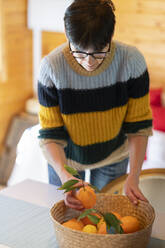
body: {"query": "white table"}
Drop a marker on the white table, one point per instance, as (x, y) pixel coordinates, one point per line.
(25, 215)
(34, 192)
(45, 195)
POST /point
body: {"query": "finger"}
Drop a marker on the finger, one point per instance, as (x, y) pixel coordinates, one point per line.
(70, 199)
(73, 200)
(74, 206)
(132, 197)
(80, 184)
(140, 195)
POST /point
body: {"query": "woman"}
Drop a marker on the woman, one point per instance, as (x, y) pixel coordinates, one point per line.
(94, 108)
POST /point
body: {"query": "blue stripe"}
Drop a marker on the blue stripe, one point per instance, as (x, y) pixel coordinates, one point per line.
(47, 95)
(93, 153)
(138, 87)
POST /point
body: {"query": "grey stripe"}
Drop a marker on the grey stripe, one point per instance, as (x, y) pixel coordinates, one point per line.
(45, 72)
(127, 63)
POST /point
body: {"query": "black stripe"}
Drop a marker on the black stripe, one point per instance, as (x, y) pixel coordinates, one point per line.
(90, 100)
(138, 87)
(74, 101)
(53, 133)
(47, 95)
(133, 127)
(93, 153)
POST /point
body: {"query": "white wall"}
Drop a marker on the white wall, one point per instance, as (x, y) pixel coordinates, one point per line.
(44, 15)
(47, 14)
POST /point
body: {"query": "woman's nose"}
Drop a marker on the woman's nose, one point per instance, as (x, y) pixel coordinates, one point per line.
(90, 59)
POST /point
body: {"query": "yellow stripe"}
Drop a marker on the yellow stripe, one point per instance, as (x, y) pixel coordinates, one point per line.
(96, 127)
(139, 109)
(90, 128)
(50, 117)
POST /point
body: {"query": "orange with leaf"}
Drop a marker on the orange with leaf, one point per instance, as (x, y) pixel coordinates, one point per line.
(85, 193)
(102, 227)
(87, 221)
(104, 222)
(118, 216)
(87, 196)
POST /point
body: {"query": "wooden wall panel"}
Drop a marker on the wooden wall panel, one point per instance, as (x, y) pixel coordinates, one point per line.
(17, 86)
(51, 40)
(2, 45)
(140, 23)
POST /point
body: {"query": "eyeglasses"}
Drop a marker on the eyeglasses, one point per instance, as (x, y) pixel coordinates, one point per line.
(95, 55)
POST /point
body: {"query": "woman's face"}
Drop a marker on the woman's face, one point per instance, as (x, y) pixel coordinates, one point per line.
(89, 62)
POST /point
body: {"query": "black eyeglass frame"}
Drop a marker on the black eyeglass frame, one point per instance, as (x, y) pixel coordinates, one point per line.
(87, 54)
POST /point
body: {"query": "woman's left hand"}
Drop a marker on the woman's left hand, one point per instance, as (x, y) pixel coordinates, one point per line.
(132, 190)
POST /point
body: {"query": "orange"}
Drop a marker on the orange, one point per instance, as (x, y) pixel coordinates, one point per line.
(87, 221)
(100, 222)
(118, 216)
(130, 224)
(87, 196)
(89, 229)
(74, 224)
(101, 227)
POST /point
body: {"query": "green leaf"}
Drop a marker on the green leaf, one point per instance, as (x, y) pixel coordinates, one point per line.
(94, 187)
(72, 171)
(111, 220)
(68, 184)
(121, 230)
(69, 189)
(72, 188)
(93, 218)
(86, 212)
(107, 226)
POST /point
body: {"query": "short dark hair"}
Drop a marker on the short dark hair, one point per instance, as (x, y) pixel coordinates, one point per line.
(90, 23)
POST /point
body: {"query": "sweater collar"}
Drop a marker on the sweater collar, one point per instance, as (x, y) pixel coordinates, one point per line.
(80, 70)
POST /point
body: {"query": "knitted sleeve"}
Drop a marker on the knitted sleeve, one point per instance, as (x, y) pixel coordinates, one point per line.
(138, 118)
(49, 114)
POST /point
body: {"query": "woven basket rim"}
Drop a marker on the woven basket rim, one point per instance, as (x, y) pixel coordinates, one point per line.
(118, 235)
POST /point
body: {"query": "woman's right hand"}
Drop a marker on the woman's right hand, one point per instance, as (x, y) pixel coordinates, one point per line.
(69, 197)
(71, 201)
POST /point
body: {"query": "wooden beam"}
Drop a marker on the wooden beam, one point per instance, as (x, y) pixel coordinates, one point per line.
(3, 75)
(15, 62)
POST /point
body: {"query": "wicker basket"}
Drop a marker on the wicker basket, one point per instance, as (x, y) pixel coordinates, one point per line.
(68, 238)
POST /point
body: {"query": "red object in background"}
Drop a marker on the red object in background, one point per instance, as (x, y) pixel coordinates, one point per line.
(157, 110)
(155, 96)
(158, 118)
(145, 158)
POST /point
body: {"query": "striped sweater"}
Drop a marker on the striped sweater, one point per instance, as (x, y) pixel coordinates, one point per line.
(92, 113)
